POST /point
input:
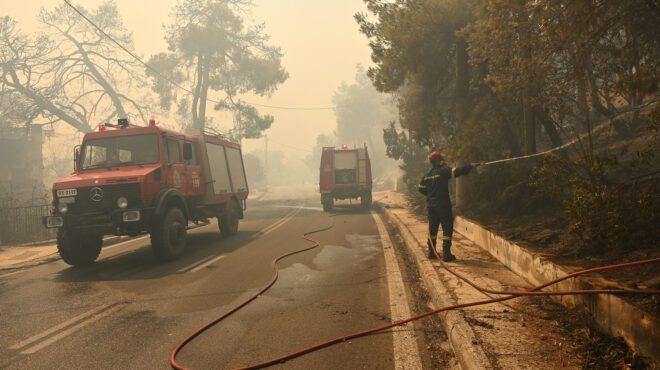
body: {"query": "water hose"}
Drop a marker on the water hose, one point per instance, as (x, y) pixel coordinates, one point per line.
(507, 296)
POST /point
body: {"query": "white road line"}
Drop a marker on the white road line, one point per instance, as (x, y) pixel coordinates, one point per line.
(206, 263)
(406, 354)
(282, 222)
(301, 207)
(278, 222)
(70, 330)
(11, 273)
(124, 242)
(192, 265)
(58, 327)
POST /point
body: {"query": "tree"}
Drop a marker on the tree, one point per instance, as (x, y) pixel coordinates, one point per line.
(210, 44)
(362, 113)
(71, 73)
(313, 160)
(566, 58)
(254, 169)
(420, 50)
(419, 54)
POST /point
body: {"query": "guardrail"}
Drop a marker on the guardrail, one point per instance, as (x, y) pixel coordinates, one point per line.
(23, 225)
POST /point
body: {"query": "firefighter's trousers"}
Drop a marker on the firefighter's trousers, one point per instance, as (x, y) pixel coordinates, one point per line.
(438, 216)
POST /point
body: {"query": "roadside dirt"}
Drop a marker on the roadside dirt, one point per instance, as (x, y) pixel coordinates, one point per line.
(434, 347)
(546, 229)
(570, 338)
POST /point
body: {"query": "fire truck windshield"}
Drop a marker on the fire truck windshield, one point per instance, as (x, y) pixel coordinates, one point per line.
(119, 151)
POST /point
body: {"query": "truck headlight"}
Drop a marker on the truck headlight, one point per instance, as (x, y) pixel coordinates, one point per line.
(62, 207)
(122, 202)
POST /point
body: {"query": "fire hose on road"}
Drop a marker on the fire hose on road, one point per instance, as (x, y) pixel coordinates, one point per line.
(507, 296)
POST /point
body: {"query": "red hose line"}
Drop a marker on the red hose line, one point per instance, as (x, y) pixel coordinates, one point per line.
(199, 331)
(535, 290)
(508, 296)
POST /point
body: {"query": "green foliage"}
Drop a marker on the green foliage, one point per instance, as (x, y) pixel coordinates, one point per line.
(362, 113)
(313, 160)
(414, 163)
(552, 67)
(568, 57)
(211, 44)
(254, 170)
(610, 201)
(413, 45)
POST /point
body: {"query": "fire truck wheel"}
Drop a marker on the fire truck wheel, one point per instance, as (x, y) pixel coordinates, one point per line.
(365, 199)
(327, 202)
(78, 249)
(228, 221)
(168, 240)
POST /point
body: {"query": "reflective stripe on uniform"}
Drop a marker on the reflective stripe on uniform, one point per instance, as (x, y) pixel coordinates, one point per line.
(446, 238)
(453, 172)
(433, 237)
(431, 177)
(421, 186)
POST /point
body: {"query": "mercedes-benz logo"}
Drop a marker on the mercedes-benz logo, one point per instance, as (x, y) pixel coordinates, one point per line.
(96, 194)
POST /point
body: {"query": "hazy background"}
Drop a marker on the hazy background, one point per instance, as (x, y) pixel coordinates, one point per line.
(322, 49)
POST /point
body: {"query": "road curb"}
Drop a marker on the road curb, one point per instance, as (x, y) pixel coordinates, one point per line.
(612, 314)
(466, 347)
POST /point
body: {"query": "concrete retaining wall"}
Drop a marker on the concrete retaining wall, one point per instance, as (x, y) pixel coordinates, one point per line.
(613, 314)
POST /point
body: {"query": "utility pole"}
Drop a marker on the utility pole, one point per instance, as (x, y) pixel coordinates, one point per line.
(266, 161)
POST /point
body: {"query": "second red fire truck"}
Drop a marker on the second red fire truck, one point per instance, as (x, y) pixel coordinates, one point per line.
(345, 174)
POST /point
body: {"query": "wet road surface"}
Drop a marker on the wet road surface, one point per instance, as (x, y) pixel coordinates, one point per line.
(129, 310)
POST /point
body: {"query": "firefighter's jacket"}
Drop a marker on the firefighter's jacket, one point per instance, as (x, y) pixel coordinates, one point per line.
(435, 185)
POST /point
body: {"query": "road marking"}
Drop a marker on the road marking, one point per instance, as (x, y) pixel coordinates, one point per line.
(206, 263)
(278, 222)
(281, 222)
(406, 355)
(70, 330)
(192, 265)
(301, 207)
(59, 327)
(115, 256)
(124, 242)
(11, 273)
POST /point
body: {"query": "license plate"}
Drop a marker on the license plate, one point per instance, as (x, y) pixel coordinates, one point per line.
(67, 192)
(54, 221)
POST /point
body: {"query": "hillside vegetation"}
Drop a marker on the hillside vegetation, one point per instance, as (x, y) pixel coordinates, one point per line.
(484, 80)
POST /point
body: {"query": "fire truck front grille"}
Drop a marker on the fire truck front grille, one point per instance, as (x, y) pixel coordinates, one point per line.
(91, 200)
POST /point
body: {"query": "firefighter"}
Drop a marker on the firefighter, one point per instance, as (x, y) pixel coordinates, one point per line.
(435, 186)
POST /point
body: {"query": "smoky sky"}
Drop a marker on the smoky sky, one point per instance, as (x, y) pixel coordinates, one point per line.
(320, 40)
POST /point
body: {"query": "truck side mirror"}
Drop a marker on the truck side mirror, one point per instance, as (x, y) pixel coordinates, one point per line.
(187, 151)
(76, 158)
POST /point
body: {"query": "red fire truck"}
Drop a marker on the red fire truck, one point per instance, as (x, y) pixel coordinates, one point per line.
(132, 180)
(345, 174)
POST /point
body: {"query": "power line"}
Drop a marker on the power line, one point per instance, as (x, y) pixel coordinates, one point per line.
(159, 74)
(292, 147)
(291, 108)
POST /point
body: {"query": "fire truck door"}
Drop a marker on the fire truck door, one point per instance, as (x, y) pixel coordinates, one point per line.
(194, 180)
(176, 169)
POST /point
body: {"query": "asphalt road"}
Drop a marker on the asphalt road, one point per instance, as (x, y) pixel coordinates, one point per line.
(129, 310)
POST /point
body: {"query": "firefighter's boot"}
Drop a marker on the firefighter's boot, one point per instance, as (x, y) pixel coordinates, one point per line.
(446, 253)
(431, 251)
